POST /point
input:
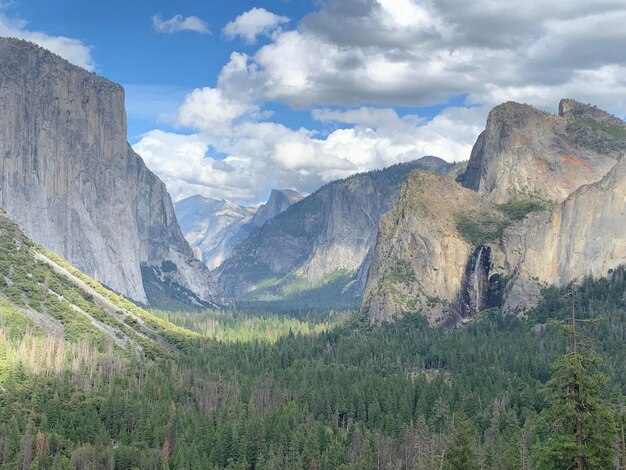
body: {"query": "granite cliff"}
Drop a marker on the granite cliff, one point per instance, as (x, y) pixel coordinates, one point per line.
(544, 204)
(73, 184)
(279, 201)
(423, 256)
(528, 153)
(213, 227)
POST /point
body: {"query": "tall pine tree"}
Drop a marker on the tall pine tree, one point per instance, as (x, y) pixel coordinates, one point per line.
(578, 429)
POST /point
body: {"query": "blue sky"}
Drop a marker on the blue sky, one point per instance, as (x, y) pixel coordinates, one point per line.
(230, 98)
(156, 69)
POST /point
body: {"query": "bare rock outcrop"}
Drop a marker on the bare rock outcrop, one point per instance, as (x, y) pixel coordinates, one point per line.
(546, 205)
(525, 152)
(422, 262)
(583, 236)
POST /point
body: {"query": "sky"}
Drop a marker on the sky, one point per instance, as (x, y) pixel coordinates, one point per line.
(232, 98)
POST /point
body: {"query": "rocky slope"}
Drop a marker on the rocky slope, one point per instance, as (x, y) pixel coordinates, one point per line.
(420, 261)
(70, 180)
(215, 227)
(525, 152)
(43, 296)
(317, 250)
(450, 252)
(583, 236)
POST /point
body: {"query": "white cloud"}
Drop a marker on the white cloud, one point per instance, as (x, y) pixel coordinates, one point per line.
(210, 110)
(405, 52)
(70, 49)
(262, 155)
(352, 61)
(254, 23)
(179, 23)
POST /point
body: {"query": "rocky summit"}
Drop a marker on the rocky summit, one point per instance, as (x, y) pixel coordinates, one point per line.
(527, 153)
(70, 180)
(544, 204)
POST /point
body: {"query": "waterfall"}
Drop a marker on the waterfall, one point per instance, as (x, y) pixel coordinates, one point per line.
(477, 279)
(476, 291)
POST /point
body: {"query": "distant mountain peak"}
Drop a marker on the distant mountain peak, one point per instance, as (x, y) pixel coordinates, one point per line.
(279, 201)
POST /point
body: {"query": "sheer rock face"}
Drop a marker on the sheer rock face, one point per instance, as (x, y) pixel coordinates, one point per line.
(422, 263)
(583, 236)
(420, 260)
(524, 152)
(70, 180)
(328, 233)
(215, 227)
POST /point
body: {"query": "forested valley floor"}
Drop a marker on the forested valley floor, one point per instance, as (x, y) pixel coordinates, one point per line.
(322, 391)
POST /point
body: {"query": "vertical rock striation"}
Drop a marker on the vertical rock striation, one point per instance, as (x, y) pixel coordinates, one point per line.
(215, 227)
(70, 180)
(279, 201)
(422, 262)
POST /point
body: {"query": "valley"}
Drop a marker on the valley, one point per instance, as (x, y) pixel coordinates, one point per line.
(414, 314)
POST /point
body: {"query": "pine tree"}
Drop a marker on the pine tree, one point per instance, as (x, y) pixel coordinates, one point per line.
(461, 453)
(578, 428)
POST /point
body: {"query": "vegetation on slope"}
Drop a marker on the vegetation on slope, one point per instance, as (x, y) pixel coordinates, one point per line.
(482, 228)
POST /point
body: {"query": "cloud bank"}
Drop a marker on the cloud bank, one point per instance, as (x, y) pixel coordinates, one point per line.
(351, 63)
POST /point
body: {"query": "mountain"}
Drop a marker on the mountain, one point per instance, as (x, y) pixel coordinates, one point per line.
(525, 152)
(279, 201)
(215, 227)
(70, 180)
(582, 236)
(316, 252)
(451, 252)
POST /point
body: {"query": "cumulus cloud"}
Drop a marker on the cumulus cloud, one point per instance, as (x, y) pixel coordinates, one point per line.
(262, 155)
(179, 23)
(70, 49)
(404, 52)
(252, 24)
(351, 63)
(211, 110)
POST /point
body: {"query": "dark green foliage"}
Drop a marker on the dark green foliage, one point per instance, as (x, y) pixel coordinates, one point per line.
(601, 135)
(559, 448)
(461, 454)
(478, 229)
(520, 208)
(578, 427)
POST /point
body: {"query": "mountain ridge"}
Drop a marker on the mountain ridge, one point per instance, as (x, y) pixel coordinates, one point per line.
(322, 240)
